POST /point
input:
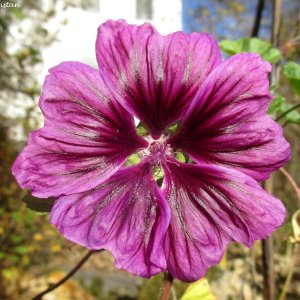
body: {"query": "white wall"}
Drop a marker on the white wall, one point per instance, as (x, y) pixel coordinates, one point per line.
(76, 40)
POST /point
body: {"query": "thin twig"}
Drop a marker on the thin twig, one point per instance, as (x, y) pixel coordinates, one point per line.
(168, 281)
(288, 280)
(287, 112)
(267, 257)
(68, 276)
(258, 15)
(292, 181)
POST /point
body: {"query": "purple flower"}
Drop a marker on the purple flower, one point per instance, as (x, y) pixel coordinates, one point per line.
(183, 224)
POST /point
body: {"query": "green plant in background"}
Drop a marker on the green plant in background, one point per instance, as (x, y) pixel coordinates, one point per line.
(198, 290)
(279, 107)
(255, 45)
(292, 73)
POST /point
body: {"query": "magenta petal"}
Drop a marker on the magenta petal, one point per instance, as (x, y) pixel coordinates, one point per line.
(156, 76)
(210, 207)
(86, 138)
(227, 122)
(127, 215)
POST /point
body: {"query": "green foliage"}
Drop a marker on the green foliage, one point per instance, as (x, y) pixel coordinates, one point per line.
(279, 106)
(292, 71)
(95, 287)
(173, 128)
(256, 45)
(158, 173)
(293, 116)
(142, 129)
(22, 249)
(180, 156)
(18, 13)
(276, 105)
(133, 159)
(198, 290)
(152, 288)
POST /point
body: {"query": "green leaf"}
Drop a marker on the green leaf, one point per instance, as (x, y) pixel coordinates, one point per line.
(13, 258)
(2, 255)
(291, 117)
(3, 24)
(133, 159)
(21, 250)
(173, 128)
(16, 216)
(198, 290)
(158, 173)
(17, 13)
(180, 156)
(15, 238)
(266, 51)
(8, 273)
(276, 105)
(142, 129)
(37, 204)
(292, 71)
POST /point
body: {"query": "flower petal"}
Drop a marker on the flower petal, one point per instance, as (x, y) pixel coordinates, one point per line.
(212, 206)
(86, 138)
(156, 76)
(127, 215)
(227, 122)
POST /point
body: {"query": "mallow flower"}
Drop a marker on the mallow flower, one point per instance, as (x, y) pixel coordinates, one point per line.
(207, 144)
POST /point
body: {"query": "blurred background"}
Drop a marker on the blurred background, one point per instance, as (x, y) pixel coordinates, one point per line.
(36, 35)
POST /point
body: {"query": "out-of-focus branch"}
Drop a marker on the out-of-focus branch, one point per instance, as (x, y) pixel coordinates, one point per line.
(267, 256)
(68, 276)
(258, 16)
(276, 22)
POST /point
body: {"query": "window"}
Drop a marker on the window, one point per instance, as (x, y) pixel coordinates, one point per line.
(90, 5)
(144, 9)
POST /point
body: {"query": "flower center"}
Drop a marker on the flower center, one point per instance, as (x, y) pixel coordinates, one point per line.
(156, 150)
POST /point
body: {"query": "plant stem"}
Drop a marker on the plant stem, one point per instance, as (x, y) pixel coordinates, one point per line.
(168, 281)
(68, 276)
(292, 181)
(267, 256)
(287, 112)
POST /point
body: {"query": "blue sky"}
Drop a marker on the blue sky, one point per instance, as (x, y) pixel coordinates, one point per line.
(213, 16)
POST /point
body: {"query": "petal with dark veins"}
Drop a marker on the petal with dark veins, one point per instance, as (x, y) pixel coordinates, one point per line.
(87, 135)
(227, 124)
(210, 207)
(155, 76)
(127, 215)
